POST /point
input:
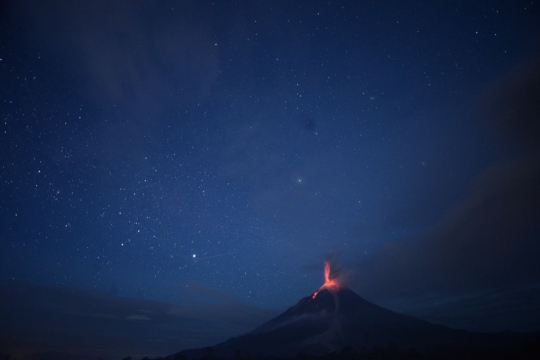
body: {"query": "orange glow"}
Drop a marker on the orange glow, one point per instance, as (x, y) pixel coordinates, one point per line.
(330, 284)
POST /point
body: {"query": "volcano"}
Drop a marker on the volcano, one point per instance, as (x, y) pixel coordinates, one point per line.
(334, 318)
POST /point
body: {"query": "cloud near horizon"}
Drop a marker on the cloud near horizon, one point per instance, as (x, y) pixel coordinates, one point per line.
(116, 327)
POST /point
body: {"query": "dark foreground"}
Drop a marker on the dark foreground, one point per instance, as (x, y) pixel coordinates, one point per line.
(530, 350)
(342, 325)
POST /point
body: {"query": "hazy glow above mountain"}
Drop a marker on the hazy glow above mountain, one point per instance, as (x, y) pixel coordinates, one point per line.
(331, 284)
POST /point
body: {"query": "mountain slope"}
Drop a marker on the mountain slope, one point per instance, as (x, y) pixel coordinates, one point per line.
(336, 319)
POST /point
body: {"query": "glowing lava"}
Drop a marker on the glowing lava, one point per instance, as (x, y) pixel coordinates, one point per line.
(330, 283)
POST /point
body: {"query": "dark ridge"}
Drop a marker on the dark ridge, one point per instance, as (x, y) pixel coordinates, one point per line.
(334, 321)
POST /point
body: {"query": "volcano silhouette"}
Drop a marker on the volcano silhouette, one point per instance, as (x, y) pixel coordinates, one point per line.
(334, 320)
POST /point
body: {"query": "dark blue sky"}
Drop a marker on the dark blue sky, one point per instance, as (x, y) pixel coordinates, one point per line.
(206, 154)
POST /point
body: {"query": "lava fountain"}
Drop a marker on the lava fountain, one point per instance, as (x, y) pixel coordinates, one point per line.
(330, 283)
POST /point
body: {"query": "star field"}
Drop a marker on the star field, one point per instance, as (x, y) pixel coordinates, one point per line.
(152, 148)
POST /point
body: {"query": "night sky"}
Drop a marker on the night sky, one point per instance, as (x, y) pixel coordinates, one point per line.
(179, 170)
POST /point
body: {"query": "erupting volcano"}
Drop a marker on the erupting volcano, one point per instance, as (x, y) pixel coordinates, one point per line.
(335, 317)
(331, 283)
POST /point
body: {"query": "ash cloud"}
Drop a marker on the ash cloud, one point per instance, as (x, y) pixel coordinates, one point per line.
(489, 240)
(512, 110)
(336, 267)
(340, 270)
